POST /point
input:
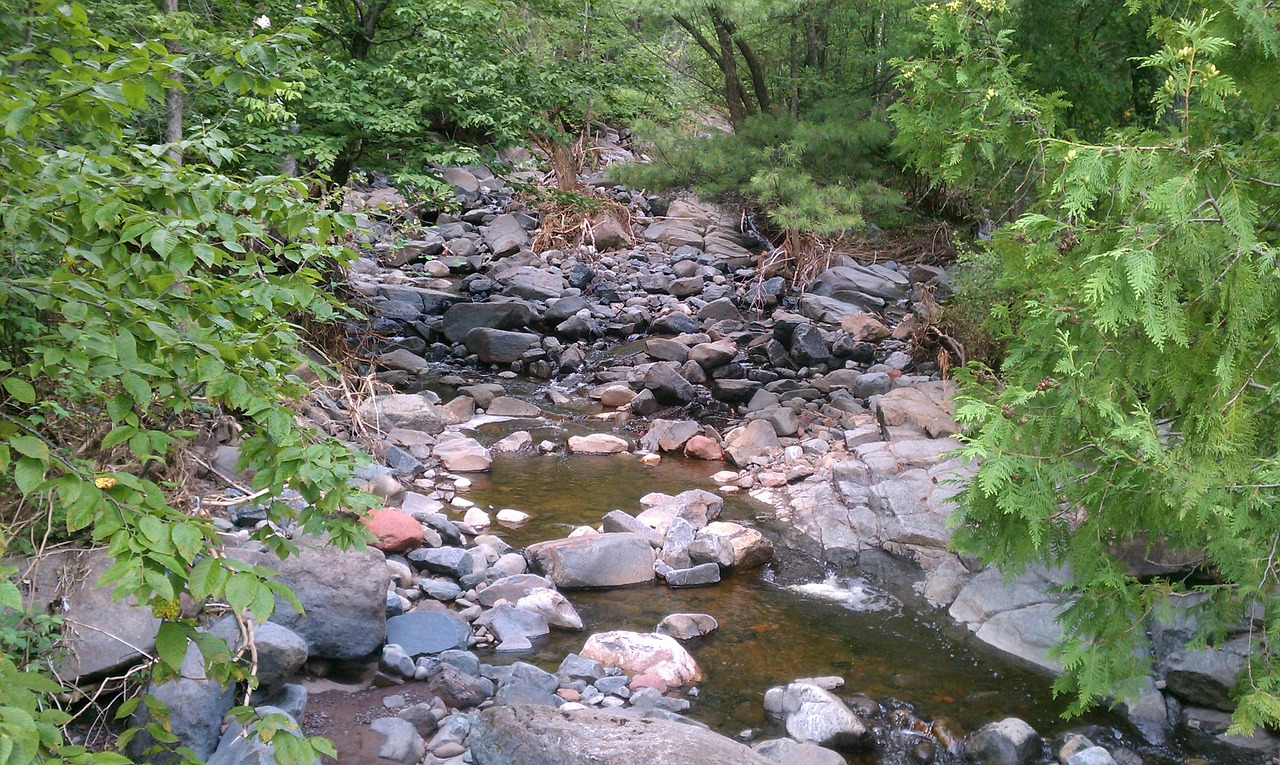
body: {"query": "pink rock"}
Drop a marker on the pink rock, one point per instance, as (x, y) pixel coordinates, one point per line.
(647, 680)
(703, 448)
(394, 530)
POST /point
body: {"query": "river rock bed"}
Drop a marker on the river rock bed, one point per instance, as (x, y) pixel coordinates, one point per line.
(663, 342)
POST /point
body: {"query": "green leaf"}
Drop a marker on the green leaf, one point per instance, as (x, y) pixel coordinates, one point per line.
(20, 389)
(188, 539)
(171, 644)
(241, 589)
(31, 447)
(28, 474)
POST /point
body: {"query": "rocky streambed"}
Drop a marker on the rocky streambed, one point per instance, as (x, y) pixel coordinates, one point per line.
(643, 500)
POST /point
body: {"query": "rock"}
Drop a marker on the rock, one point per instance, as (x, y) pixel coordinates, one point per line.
(534, 283)
(696, 506)
(664, 349)
(697, 576)
(757, 439)
(343, 594)
(512, 588)
(539, 735)
(196, 707)
(711, 356)
(402, 359)
(507, 406)
(615, 396)
(1007, 742)
(930, 414)
(864, 328)
(400, 740)
(393, 530)
(505, 236)
(513, 627)
(456, 688)
(396, 662)
(598, 443)
(427, 632)
(398, 410)
(100, 633)
(872, 384)
(638, 653)
(519, 441)
(461, 179)
(814, 715)
(463, 455)
(280, 651)
(450, 561)
(239, 748)
(553, 607)
(461, 318)
(667, 386)
(1094, 755)
(616, 521)
(669, 435)
(788, 752)
(687, 626)
(602, 560)
(750, 548)
(509, 517)
(808, 346)
(703, 448)
(644, 404)
(869, 286)
(497, 346)
(608, 234)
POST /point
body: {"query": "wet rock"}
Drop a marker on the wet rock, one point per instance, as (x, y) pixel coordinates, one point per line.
(553, 607)
(1094, 755)
(616, 521)
(519, 441)
(393, 530)
(687, 626)
(813, 715)
(602, 560)
(644, 403)
(703, 448)
(667, 386)
(497, 346)
(513, 626)
(536, 735)
(1007, 742)
(398, 410)
(461, 318)
(789, 752)
(512, 588)
(598, 443)
(697, 576)
(669, 435)
(462, 455)
(756, 440)
(615, 396)
(508, 406)
(422, 633)
(749, 547)
(639, 653)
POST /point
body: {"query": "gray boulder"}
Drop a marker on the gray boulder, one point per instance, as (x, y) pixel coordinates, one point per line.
(281, 651)
(196, 707)
(343, 594)
(464, 317)
(400, 740)
(1007, 742)
(400, 410)
(667, 385)
(539, 735)
(601, 560)
(239, 748)
(687, 626)
(427, 632)
(505, 236)
(814, 715)
(498, 346)
(513, 588)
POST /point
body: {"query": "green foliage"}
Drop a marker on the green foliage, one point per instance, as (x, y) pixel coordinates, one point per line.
(1138, 401)
(138, 297)
(819, 177)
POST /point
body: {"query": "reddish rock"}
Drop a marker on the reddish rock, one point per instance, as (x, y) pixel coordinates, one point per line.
(647, 680)
(394, 530)
(864, 328)
(703, 448)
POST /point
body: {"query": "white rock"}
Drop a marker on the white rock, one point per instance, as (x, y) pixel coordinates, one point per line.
(553, 607)
(636, 653)
(476, 518)
(463, 455)
(512, 517)
(597, 443)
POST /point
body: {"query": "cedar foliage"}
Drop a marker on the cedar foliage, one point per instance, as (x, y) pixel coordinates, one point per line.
(1140, 398)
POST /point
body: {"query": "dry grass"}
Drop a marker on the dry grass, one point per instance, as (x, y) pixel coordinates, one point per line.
(569, 220)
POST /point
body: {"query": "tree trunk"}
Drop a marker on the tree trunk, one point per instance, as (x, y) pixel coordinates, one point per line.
(733, 88)
(753, 61)
(173, 101)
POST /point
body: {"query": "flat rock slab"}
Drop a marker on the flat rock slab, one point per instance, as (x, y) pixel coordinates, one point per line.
(539, 735)
(424, 632)
(599, 560)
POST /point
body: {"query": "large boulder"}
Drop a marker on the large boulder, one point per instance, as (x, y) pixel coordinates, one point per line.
(100, 633)
(401, 410)
(599, 560)
(747, 547)
(463, 455)
(814, 715)
(598, 443)
(196, 707)
(757, 440)
(238, 748)
(1007, 742)
(868, 286)
(505, 236)
(667, 385)
(498, 346)
(927, 409)
(343, 594)
(280, 651)
(393, 530)
(542, 735)
(427, 632)
(637, 653)
(697, 506)
(464, 317)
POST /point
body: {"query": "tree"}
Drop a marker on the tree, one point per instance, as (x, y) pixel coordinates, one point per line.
(138, 297)
(1139, 404)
